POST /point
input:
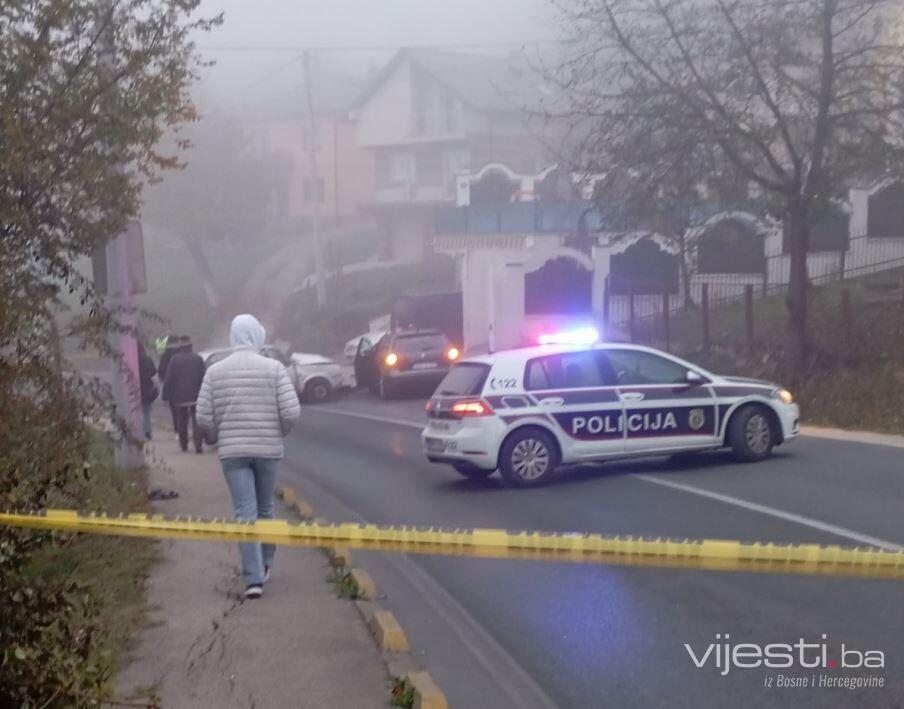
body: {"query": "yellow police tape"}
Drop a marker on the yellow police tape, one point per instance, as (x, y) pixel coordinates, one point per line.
(712, 554)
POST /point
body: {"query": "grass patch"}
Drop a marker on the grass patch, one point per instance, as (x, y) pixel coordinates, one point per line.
(114, 570)
(401, 694)
(345, 585)
(855, 379)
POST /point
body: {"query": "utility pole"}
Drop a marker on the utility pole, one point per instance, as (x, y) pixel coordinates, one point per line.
(315, 192)
(129, 454)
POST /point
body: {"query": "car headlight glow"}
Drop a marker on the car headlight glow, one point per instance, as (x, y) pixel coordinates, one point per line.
(783, 395)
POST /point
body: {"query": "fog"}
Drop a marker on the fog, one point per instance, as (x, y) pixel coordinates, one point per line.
(254, 49)
(233, 230)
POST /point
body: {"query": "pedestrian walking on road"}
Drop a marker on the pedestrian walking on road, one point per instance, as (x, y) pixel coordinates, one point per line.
(172, 346)
(149, 390)
(248, 404)
(184, 375)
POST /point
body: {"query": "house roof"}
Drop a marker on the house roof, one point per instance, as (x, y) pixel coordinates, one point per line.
(485, 82)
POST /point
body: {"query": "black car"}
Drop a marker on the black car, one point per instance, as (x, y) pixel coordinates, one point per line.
(404, 356)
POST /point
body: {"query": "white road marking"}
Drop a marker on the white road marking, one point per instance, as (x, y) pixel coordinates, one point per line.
(842, 532)
(774, 512)
(368, 417)
(838, 434)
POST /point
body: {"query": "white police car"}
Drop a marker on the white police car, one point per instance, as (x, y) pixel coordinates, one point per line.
(527, 411)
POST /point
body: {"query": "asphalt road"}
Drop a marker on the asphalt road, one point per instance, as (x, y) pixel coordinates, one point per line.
(522, 634)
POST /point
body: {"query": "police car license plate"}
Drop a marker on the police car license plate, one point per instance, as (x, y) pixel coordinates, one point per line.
(435, 445)
(424, 365)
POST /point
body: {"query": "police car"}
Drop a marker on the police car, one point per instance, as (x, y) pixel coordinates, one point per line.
(525, 412)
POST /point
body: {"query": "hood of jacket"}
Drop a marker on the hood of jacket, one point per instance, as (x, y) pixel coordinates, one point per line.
(246, 331)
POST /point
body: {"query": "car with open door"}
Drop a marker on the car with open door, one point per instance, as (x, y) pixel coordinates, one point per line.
(404, 357)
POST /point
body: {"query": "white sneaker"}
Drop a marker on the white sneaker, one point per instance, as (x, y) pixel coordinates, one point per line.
(254, 591)
(267, 569)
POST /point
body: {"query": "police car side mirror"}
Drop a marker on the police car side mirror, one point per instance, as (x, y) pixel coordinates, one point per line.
(693, 378)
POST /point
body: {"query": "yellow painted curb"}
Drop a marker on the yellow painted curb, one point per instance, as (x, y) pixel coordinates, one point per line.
(388, 632)
(303, 509)
(341, 556)
(286, 494)
(426, 694)
(366, 586)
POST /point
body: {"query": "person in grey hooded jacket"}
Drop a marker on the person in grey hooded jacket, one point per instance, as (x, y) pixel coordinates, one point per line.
(247, 405)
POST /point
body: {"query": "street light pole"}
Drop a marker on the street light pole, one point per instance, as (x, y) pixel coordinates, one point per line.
(128, 452)
(315, 191)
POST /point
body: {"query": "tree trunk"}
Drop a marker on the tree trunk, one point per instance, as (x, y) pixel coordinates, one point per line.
(685, 272)
(797, 232)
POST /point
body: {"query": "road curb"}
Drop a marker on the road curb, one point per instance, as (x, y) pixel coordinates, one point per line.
(401, 667)
(426, 694)
(841, 434)
(302, 509)
(388, 633)
(286, 494)
(340, 556)
(367, 589)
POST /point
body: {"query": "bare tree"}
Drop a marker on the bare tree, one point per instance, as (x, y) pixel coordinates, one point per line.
(795, 98)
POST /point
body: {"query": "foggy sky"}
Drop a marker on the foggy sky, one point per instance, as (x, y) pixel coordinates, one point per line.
(249, 76)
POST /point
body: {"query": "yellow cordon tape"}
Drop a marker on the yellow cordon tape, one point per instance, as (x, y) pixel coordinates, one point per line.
(712, 554)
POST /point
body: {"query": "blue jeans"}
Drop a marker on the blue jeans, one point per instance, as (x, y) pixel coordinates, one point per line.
(251, 482)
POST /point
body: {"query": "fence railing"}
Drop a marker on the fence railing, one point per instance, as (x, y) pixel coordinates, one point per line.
(644, 315)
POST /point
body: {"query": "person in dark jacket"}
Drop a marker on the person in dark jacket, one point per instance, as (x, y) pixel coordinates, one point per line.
(149, 391)
(184, 374)
(172, 346)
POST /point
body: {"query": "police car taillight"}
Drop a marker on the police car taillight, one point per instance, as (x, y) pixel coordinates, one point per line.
(471, 408)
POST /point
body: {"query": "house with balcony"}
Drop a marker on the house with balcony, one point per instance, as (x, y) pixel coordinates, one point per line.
(430, 115)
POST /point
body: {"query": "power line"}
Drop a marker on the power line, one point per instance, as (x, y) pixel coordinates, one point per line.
(300, 49)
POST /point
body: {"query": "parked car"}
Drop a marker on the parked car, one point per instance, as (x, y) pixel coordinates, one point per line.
(404, 356)
(211, 357)
(317, 377)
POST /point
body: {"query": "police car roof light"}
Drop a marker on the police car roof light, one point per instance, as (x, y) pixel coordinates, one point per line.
(578, 336)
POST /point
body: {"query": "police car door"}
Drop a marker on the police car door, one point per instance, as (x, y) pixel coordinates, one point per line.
(662, 410)
(571, 391)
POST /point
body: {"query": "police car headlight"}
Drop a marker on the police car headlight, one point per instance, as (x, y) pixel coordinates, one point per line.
(783, 395)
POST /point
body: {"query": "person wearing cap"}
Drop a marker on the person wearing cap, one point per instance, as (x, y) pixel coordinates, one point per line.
(247, 405)
(184, 374)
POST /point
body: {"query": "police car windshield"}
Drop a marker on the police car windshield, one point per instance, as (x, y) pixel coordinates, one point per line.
(464, 379)
(416, 343)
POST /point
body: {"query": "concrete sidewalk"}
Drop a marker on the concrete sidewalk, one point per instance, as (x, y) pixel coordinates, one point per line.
(203, 646)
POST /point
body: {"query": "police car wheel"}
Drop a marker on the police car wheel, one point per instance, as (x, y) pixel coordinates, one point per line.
(750, 434)
(471, 471)
(528, 457)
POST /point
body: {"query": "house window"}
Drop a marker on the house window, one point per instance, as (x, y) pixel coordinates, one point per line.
(394, 169)
(312, 191)
(453, 110)
(430, 167)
